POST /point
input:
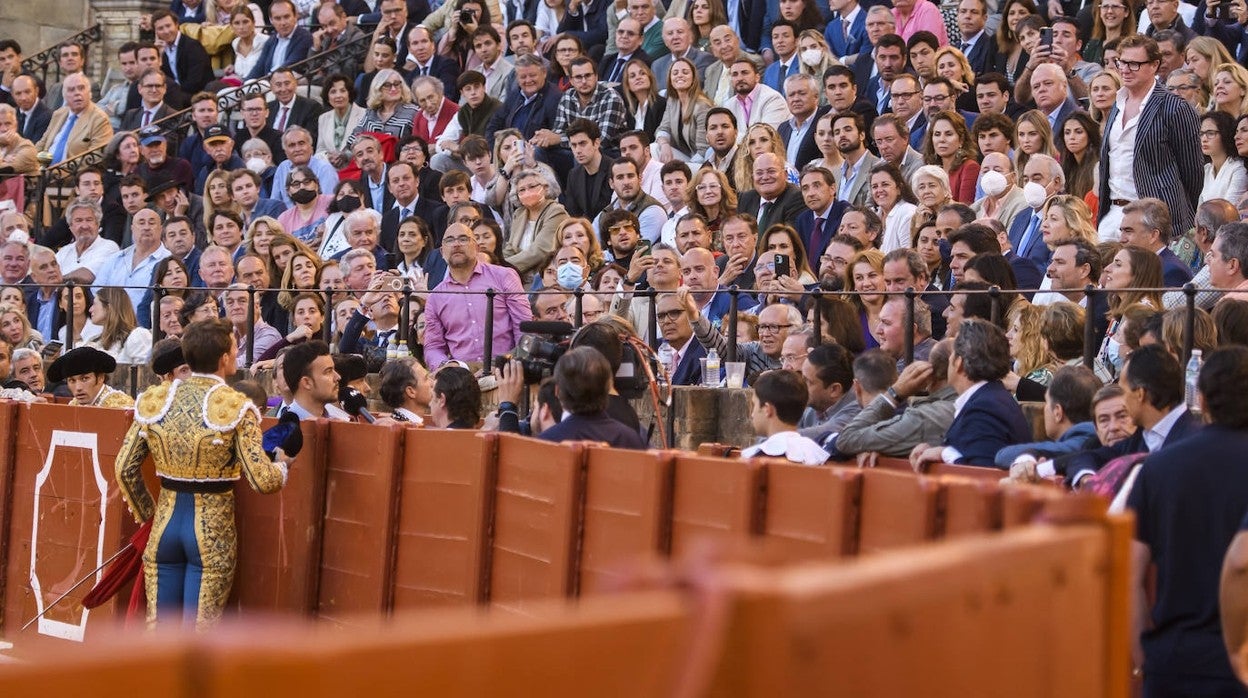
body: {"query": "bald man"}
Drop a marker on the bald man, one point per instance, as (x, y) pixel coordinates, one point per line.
(773, 199)
(78, 126)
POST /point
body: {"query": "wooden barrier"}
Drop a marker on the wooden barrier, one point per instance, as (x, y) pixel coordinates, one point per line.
(445, 515)
(628, 511)
(812, 512)
(715, 498)
(8, 446)
(897, 509)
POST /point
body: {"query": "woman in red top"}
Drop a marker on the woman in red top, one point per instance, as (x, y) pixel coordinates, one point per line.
(950, 146)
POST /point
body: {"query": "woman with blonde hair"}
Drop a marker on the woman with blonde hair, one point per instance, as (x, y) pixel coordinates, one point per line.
(16, 330)
(711, 196)
(1202, 55)
(761, 138)
(641, 97)
(682, 130)
(1032, 359)
(580, 232)
(949, 145)
(1102, 93)
(217, 196)
(390, 107)
(809, 41)
(865, 274)
(120, 334)
(1065, 216)
(1230, 89)
(512, 153)
(952, 65)
(282, 249)
(1035, 135)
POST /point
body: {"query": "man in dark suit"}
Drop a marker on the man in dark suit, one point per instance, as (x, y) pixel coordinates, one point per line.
(583, 382)
(988, 417)
(1026, 240)
(801, 93)
(408, 202)
(42, 305)
(336, 31)
(746, 18)
(290, 44)
(1146, 223)
(772, 200)
(1154, 381)
(587, 21)
(153, 107)
(255, 125)
(290, 109)
(740, 236)
(628, 47)
(374, 184)
(677, 331)
(822, 215)
(1188, 501)
(424, 59)
(678, 39)
(846, 32)
(184, 59)
(33, 116)
(531, 105)
(1165, 166)
(840, 87)
(978, 45)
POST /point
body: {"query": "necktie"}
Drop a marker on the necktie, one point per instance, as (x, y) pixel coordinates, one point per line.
(816, 238)
(147, 117)
(845, 32)
(404, 213)
(58, 146)
(747, 105)
(21, 122)
(281, 119)
(763, 210)
(1025, 243)
(615, 72)
(966, 47)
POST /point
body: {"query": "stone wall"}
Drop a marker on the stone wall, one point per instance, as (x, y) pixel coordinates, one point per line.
(38, 24)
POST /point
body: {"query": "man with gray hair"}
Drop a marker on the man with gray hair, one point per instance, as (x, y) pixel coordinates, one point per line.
(435, 122)
(42, 307)
(82, 260)
(77, 127)
(238, 305)
(678, 38)
(801, 95)
(986, 416)
(890, 330)
(884, 428)
(28, 368)
(1026, 240)
(1228, 261)
(1210, 217)
(358, 268)
(14, 262)
(20, 154)
(299, 146)
(774, 324)
(1051, 92)
(1146, 223)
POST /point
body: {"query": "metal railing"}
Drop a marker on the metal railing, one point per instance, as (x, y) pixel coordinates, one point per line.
(1091, 341)
(62, 175)
(42, 63)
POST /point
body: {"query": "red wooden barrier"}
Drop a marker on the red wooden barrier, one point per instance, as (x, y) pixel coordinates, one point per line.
(812, 512)
(628, 511)
(715, 497)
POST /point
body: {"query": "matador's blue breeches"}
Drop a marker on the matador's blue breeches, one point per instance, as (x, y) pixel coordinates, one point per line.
(190, 558)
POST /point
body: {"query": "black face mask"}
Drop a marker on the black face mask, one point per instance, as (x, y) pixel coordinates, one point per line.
(303, 196)
(347, 204)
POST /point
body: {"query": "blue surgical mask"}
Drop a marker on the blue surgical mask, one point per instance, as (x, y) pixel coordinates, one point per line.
(570, 275)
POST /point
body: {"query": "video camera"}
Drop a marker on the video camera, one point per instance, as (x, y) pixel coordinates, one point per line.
(539, 348)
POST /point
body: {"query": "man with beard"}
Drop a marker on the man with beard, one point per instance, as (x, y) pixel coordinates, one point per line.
(455, 322)
(855, 173)
(157, 166)
(721, 140)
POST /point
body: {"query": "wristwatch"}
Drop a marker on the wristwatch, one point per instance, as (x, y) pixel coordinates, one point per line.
(507, 406)
(892, 395)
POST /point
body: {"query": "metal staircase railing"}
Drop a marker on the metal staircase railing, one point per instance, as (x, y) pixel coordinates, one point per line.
(47, 61)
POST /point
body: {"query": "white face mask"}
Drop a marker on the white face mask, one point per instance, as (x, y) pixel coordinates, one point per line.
(257, 165)
(1035, 194)
(812, 56)
(993, 183)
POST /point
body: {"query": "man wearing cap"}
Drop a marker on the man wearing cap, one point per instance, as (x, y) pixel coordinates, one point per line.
(219, 145)
(204, 436)
(84, 370)
(157, 165)
(152, 105)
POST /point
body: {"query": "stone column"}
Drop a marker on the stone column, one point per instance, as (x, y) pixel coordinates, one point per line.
(119, 20)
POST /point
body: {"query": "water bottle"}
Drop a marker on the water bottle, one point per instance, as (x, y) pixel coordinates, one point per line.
(392, 349)
(1193, 373)
(667, 356)
(403, 350)
(712, 368)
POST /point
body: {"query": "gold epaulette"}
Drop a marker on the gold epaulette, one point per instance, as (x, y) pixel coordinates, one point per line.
(117, 399)
(224, 408)
(153, 403)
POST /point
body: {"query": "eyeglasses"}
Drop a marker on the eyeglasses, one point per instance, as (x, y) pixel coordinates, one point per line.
(300, 184)
(1209, 134)
(904, 95)
(669, 316)
(392, 85)
(620, 228)
(1131, 66)
(462, 240)
(792, 358)
(773, 329)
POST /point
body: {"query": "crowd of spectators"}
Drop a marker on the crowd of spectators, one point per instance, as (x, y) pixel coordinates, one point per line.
(600, 163)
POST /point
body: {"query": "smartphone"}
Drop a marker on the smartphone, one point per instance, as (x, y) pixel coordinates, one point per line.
(782, 265)
(643, 247)
(393, 259)
(52, 349)
(1046, 37)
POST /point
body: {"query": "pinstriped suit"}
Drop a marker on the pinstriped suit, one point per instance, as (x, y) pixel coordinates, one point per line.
(1167, 164)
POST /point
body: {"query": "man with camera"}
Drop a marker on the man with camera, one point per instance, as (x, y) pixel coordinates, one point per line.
(583, 384)
(378, 306)
(455, 322)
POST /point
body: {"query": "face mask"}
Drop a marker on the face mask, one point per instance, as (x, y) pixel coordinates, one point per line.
(1035, 194)
(570, 275)
(303, 196)
(812, 56)
(993, 183)
(347, 204)
(257, 165)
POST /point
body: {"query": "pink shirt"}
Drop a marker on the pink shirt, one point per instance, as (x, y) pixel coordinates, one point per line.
(926, 16)
(455, 322)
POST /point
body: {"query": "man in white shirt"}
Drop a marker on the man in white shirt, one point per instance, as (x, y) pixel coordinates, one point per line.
(83, 260)
(132, 267)
(778, 401)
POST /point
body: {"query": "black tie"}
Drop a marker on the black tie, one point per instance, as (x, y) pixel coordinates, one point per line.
(763, 210)
(21, 122)
(615, 72)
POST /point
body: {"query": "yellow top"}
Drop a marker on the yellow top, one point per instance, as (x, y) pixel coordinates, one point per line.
(108, 397)
(197, 429)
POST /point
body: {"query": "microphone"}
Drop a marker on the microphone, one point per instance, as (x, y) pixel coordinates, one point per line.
(355, 404)
(544, 327)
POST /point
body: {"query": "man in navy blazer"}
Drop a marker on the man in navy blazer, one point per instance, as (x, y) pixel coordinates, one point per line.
(846, 32)
(677, 331)
(1146, 223)
(822, 207)
(782, 201)
(1026, 239)
(1153, 381)
(582, 383)
(986, 416)
(978, 45)
(807, 149)
(33, 116)
(531, 103)
(587, 21)
(292, 40)
(423, 59)
(747, 19)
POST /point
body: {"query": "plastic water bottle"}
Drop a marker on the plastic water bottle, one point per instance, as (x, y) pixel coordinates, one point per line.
(712, 367)
(1193, 373)
(403, 350)
(667, 356)
(392, 349)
